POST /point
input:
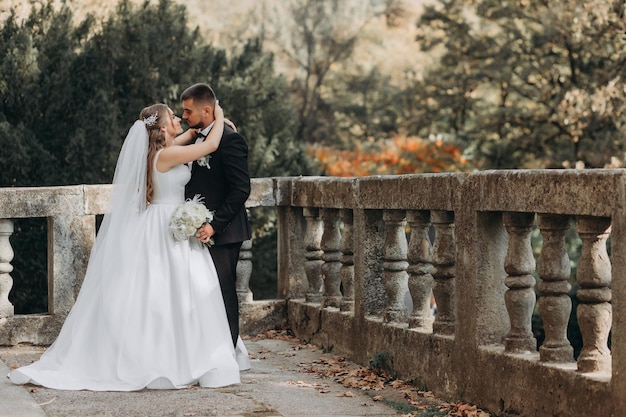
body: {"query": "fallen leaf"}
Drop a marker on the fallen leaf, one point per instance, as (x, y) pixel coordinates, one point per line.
(345, 394)
(466, 410)
(299, 384)
(397, 383)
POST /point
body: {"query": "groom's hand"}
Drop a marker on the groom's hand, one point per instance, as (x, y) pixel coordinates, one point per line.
(205, 232)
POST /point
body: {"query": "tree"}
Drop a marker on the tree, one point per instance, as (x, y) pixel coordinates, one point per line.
(264, 112)
(315, 37)
(72, 91)
(38, 51)
(364, 103)
(396, 156)
(528, 83)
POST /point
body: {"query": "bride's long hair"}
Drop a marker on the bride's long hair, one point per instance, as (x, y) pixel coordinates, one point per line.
(156, 139)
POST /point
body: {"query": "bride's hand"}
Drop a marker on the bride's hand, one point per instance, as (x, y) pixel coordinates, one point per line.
(218, 112)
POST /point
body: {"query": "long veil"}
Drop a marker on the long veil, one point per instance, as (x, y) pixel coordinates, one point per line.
(116, 256)
(128, 198)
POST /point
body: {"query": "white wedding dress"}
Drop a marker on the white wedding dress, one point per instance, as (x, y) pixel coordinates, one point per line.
(151, 318)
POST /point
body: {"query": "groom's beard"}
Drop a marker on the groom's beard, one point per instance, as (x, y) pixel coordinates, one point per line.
(196, 126)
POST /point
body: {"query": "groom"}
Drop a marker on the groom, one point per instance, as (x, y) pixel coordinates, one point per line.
(222, 179)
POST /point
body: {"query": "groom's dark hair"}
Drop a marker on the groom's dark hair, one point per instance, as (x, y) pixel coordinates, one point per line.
(202, 93)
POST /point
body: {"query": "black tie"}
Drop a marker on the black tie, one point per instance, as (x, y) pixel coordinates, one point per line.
(199, 134)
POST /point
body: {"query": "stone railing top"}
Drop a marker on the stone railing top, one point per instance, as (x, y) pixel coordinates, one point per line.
(583, 192)
(591, 192)
(25, 202)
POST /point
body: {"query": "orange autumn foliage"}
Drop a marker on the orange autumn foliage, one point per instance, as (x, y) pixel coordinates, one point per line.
(399, 155)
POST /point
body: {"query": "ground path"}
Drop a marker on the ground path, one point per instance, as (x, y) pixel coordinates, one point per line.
(287, 379)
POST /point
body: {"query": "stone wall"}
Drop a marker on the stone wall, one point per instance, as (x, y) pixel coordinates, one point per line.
(481, 268)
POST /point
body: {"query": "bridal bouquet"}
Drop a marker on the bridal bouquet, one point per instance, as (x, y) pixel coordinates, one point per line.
(188, 217)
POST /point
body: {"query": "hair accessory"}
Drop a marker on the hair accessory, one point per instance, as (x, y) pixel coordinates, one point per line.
(151, 120)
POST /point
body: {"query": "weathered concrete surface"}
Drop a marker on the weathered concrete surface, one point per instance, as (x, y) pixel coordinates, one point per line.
(592, 192)
(40, 201)
(259, 316)
(325, 192)
(559, 389)
(15, 401)
(432, 191)
(97, 198)
(37, 329)
(323, 327)
(410, 354)
(276, 386)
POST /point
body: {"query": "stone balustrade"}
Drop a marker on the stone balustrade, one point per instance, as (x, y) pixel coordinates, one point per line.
(360, 261)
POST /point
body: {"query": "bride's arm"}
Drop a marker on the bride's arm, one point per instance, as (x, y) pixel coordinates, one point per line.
(176, 155)
(190, 134)
(185, 137)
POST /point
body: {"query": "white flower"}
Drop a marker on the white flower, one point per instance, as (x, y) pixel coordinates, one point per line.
(204, 161)
(188, 217)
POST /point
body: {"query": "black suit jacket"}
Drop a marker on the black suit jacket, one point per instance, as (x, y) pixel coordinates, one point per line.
(225, 187)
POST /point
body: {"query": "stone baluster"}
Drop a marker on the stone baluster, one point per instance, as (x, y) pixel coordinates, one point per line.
(6, 256)
(369, 239)
(444, 271)
(555, 304)
(594, 312)
(331, 247)
(313, 254)
(519, 298)
(420, 257)
(395, 278)
(244, 272)
(347, 261)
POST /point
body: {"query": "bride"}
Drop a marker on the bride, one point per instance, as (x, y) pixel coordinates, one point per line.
(150, 312)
